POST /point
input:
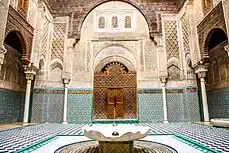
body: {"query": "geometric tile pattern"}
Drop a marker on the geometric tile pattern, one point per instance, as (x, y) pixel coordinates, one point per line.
(192, 109)
(218, 103)
(79, 108)
(175, 107)
(58, 40)
(16, 139)
(11, 106)
(55, 108)
(47, 108)
(214, 138)
(182, 105)
(171, 38)
(211, 137)
(150, 108)
(185, 33)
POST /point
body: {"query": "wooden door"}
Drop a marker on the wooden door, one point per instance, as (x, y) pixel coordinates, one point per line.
(114, 103)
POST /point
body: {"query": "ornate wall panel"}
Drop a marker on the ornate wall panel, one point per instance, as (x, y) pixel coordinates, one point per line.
(16, 22)
(150, 55)
(45, 36)
(48, 105)
(58, 40)
(171, 39)
(185, 33)
(115, 76)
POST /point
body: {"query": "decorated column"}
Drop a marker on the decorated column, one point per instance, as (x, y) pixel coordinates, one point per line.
(30, 72)
(201, 71)
(163, 83)
(66, 82)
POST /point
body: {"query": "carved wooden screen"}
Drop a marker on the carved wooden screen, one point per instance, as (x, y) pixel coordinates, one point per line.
(115, 93)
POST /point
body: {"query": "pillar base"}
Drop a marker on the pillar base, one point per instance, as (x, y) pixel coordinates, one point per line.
(165, 122)
(25, 124)
(64, 122)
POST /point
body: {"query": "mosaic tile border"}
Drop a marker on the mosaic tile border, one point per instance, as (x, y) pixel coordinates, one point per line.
(37, 145)
(168, 90)
(194, 144)
(180, 138)
(90, 91)
(61, 91)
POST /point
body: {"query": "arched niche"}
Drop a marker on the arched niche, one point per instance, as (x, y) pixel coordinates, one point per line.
(15, 40)
(118, 52)
(214, 48)
(12, 70)
(215, 37)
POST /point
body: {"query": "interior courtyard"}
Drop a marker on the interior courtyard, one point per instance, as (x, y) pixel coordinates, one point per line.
(65, 64)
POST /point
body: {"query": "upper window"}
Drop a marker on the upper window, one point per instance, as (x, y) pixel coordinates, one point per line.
(114, 22)
(127, 22)
(101, 23)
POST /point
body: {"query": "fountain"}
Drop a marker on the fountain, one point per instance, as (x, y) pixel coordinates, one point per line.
(116, 138)
(121, 138)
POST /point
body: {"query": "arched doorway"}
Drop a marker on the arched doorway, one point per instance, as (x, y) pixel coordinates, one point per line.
(115, 92)
(218, 73)
(13, 79)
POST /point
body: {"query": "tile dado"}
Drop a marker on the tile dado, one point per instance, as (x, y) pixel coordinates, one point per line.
(11, 106)
(218, 103)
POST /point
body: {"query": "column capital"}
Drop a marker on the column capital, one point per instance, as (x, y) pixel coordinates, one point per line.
(3, 50)
(201, 69)
(227, 48)
(66, 77)
(30, 71)
(163, 79)
(66, 80)
(201, 74)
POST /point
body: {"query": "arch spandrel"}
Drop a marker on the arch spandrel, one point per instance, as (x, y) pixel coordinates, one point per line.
(152, 18)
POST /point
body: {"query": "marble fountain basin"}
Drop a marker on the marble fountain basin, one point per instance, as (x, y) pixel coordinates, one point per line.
(220, 122)
(125, 132)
